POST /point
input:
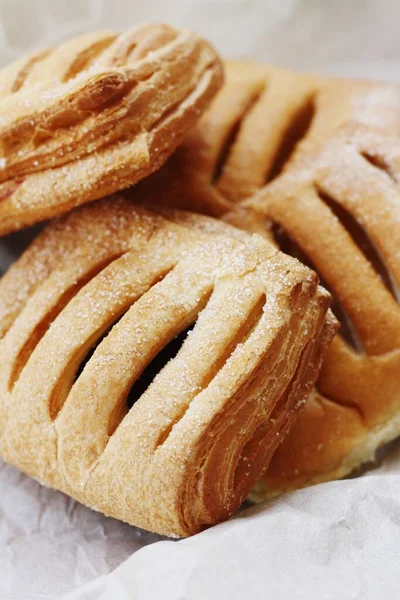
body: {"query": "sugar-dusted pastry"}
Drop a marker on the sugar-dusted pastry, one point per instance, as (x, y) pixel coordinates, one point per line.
(263, 121)
(263, 135)
(151, 362)
(95, 115)
(342, 217)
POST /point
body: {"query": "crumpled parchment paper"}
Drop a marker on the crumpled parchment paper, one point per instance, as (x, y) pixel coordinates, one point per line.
(336, 540)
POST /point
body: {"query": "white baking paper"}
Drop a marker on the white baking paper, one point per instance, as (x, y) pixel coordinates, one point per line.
(334, 541)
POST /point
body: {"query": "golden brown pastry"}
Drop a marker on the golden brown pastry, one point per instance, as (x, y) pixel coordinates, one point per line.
(96, 114)
(263, 135)
(342, 217)
(263, 121)
(102, 294)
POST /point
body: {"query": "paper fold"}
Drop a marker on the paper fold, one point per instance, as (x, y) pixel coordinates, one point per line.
(336, 540)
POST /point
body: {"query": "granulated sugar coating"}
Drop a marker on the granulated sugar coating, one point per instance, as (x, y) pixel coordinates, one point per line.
(265, 121)
(95, 115)
(341, 215)
(110, 287)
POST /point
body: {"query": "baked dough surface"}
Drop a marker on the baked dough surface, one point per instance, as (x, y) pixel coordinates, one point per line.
(343, 213)
(95, 115)
(262, 122)
(95, 299)
(312, 165)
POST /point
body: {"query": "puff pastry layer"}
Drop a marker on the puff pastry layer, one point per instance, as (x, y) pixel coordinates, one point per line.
(266, 158)
(101, 295)
(262, 122)
(342, 217)
(95, 115)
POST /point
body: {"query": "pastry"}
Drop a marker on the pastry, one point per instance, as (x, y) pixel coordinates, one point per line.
(341, 216)
(152, 360)
(263, 121)
(252, 172)
(96, 114)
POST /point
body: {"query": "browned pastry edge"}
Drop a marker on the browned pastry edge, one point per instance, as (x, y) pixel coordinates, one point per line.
(263, 121)
(262, 138)
(95, 115)
(342, 216)
(196, 439)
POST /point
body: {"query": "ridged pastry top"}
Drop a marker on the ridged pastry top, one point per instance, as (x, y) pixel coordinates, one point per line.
(97, 300)
(262, 122)
(95, 115)
(341, 216)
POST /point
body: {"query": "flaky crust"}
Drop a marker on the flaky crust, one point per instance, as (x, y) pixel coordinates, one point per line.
(260, 158)
(263, 121)
(198, 436)
(95, 115)
(342, 215)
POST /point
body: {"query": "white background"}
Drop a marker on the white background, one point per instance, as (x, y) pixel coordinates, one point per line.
(357, 37)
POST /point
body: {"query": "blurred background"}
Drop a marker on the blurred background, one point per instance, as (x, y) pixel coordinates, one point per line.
(342, 37)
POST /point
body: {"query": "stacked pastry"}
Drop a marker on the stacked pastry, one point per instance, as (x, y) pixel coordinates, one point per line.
(313, 165)
(156, 364)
